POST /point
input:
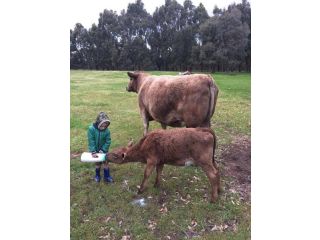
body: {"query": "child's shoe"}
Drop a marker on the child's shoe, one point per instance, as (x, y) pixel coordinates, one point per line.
(97, 177)
(107, 177)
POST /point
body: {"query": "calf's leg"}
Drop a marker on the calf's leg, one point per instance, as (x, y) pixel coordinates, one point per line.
(147, 172)
(218, 176)
(159, 171)
(214, 179)
(163, 126)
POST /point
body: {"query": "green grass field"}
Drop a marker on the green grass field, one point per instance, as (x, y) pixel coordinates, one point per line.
(179, 209)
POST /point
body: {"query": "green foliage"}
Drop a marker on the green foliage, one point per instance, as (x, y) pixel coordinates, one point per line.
(176, 37)
(99, 209)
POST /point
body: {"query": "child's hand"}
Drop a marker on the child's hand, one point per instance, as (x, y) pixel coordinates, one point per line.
(94, 155)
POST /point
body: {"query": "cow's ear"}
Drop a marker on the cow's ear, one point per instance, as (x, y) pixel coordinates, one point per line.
(123, 155)
(132, 75)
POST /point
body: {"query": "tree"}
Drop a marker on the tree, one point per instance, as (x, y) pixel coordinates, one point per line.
(167, 22)
(175, 37)
(224, 38)
(136, 29)
(217, 11)
(245, 9)
(78, 47)
(106, 40)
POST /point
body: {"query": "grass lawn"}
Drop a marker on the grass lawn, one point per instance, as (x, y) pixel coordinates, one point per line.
(179, 209)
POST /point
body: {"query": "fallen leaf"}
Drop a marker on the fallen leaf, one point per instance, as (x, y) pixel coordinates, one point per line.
(232, 190)
(219, 228)
(196, 178)
(105, 236)
(194, 223)
(163, 210)
(183, 200)
(151, 224)
(125, 182)
(107, 220)
(215, 228)
(126, 237)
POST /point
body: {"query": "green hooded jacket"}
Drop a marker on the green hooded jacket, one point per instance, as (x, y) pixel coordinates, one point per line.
(99, 139)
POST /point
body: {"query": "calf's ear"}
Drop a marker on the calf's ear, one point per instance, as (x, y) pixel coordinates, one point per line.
(130, 143)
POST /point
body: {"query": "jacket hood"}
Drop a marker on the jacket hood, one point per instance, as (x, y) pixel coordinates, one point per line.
(101, 118)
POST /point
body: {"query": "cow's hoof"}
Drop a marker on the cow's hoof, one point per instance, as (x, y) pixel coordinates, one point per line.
(140, 192)
(156, 185)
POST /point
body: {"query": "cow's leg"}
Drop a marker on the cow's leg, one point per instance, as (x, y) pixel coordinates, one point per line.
(145, 120)
(214, 179)
(159, 169)
(147, 171)
(164, 126)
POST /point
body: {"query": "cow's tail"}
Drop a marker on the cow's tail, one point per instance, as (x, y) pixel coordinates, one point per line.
(214, 147)
(213, 96)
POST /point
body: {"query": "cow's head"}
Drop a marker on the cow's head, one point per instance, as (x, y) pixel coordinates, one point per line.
(119, 155)
(133, 82)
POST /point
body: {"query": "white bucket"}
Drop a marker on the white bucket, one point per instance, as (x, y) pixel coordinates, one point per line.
(87, 157)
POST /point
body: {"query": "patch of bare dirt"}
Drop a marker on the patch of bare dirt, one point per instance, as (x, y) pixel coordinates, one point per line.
(235, 159)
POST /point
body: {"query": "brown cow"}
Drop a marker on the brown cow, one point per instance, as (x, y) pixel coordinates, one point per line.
(178, 147)
(174, 100)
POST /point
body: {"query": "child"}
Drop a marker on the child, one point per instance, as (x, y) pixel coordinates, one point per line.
(99, 142)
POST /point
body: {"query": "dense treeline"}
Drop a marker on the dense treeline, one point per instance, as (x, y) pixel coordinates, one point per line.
(176, 37)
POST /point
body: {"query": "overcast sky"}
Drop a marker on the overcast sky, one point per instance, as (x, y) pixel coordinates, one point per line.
(87, 11)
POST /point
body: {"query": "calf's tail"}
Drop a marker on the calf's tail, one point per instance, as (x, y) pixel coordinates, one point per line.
(213, 161)
(209, 130)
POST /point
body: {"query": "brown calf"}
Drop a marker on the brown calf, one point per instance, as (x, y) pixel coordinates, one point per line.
(178, 147)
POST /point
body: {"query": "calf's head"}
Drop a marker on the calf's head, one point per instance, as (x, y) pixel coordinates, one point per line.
(119, 155)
